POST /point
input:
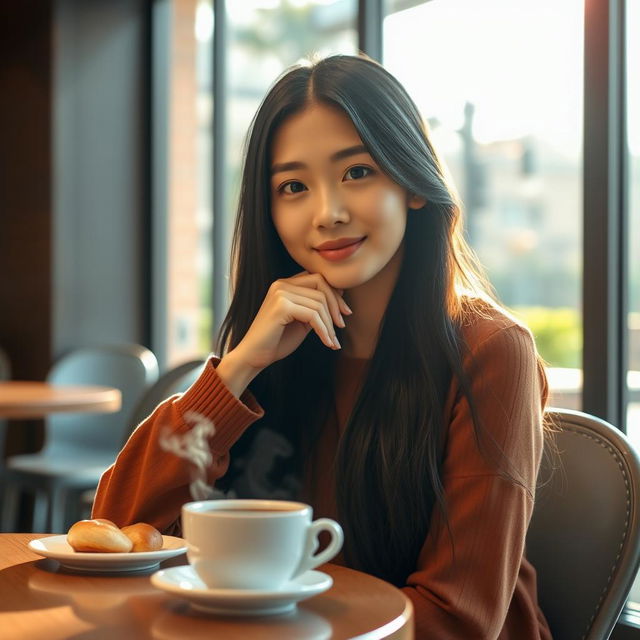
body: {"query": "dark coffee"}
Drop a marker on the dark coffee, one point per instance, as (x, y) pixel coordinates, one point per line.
(247, 510)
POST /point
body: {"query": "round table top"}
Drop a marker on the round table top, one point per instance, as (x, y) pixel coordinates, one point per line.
(38, 596)
(20, 399)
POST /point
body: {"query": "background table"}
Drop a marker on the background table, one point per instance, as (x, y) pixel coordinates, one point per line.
(39, 399)
(40, 600)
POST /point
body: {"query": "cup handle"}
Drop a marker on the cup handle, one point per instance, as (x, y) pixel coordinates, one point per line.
(311, 561)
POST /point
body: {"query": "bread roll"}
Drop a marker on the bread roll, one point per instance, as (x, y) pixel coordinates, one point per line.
(99, 536)
(113, 524)
(143, 536)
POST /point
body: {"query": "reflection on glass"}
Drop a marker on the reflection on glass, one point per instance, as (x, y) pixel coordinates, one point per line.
(500, 84)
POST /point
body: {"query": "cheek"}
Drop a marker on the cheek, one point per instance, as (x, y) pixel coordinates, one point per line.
(390, 212)
(289, 232)
(392, 201)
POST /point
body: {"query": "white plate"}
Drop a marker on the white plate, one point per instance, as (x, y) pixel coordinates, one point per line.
(58, 548)
(184, 582)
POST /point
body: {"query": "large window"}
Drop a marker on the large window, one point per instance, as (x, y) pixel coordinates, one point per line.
(500, 84)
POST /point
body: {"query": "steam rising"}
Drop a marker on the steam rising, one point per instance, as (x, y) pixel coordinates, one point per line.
(193, 446)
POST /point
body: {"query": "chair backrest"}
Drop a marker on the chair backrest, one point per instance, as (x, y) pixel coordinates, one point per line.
(584, 536)
(175, 380)
(130, 368)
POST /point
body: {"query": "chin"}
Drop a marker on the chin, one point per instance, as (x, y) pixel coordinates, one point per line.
(343, 281)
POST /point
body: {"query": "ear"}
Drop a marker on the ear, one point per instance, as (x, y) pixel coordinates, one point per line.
(416, 202)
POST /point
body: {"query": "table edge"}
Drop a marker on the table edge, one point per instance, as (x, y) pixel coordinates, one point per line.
(406, 617)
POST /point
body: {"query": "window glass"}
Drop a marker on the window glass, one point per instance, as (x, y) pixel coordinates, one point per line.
(189, 208)
(500, 85)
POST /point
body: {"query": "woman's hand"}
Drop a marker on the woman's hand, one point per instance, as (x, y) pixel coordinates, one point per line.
(292, 307)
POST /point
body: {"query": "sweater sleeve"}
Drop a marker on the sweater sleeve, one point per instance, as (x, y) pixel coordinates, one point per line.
(469, 564)
(147, 483)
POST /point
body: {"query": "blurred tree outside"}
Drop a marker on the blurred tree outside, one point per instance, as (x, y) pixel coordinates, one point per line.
(206, 341)
(558, 334)
(292, 31)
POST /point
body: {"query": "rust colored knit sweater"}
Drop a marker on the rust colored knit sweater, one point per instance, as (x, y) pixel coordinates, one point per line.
(490, 590)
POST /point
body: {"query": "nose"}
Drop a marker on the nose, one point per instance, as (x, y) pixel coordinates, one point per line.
(330, 209)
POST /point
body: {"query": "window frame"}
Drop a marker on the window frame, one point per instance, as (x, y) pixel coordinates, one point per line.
(605, 213)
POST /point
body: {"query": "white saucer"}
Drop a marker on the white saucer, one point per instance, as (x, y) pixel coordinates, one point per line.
(58, 548)
(184, 582)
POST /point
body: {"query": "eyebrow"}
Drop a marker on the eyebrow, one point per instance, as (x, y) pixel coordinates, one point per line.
(338, 155)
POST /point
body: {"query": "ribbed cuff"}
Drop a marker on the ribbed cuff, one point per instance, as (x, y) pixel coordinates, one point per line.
(210, 397)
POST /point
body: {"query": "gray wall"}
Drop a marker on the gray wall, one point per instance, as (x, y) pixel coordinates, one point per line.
(99, 172)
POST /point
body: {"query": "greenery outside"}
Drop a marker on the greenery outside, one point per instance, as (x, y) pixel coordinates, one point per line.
(558, 334)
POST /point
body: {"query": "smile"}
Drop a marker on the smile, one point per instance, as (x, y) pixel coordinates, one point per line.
(340, 249)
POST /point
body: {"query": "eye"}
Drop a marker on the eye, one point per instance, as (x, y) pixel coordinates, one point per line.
(357, 172)
(292, 187)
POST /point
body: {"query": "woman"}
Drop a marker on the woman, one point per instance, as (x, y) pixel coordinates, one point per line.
(364, 367)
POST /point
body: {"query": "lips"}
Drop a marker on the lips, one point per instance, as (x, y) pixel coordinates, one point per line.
(339, 249)
(338, 244)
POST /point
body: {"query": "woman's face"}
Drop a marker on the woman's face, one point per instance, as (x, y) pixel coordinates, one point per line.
(335, 211)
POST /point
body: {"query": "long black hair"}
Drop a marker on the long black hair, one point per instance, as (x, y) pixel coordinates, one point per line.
(388, 464)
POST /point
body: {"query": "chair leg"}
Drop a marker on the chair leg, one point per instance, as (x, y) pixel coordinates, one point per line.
(56, 513)
(77, 507)
(39, 513)
(8, 520)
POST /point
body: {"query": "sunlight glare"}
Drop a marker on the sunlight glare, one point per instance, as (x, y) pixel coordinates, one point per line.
(204, 21)
(518, 62)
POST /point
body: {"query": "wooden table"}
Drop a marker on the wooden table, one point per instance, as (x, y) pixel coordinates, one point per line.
(39, 600)
(39, 399)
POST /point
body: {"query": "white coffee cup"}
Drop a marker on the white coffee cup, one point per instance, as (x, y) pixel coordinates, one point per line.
(254, 544)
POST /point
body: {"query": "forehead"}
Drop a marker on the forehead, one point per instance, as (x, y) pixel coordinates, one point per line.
(318, 128)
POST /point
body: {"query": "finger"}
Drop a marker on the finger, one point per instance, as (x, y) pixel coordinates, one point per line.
(306, 315)
(316, 281)
(343, 305)
(346, 309)
(330, 302)
(315, 305)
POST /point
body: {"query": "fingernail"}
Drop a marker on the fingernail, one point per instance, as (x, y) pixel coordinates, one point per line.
(336, 342)
(341, 323)
(347, 308)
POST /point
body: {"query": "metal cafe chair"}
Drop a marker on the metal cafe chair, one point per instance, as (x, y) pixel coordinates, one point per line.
(78, 447)
(176, 380)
